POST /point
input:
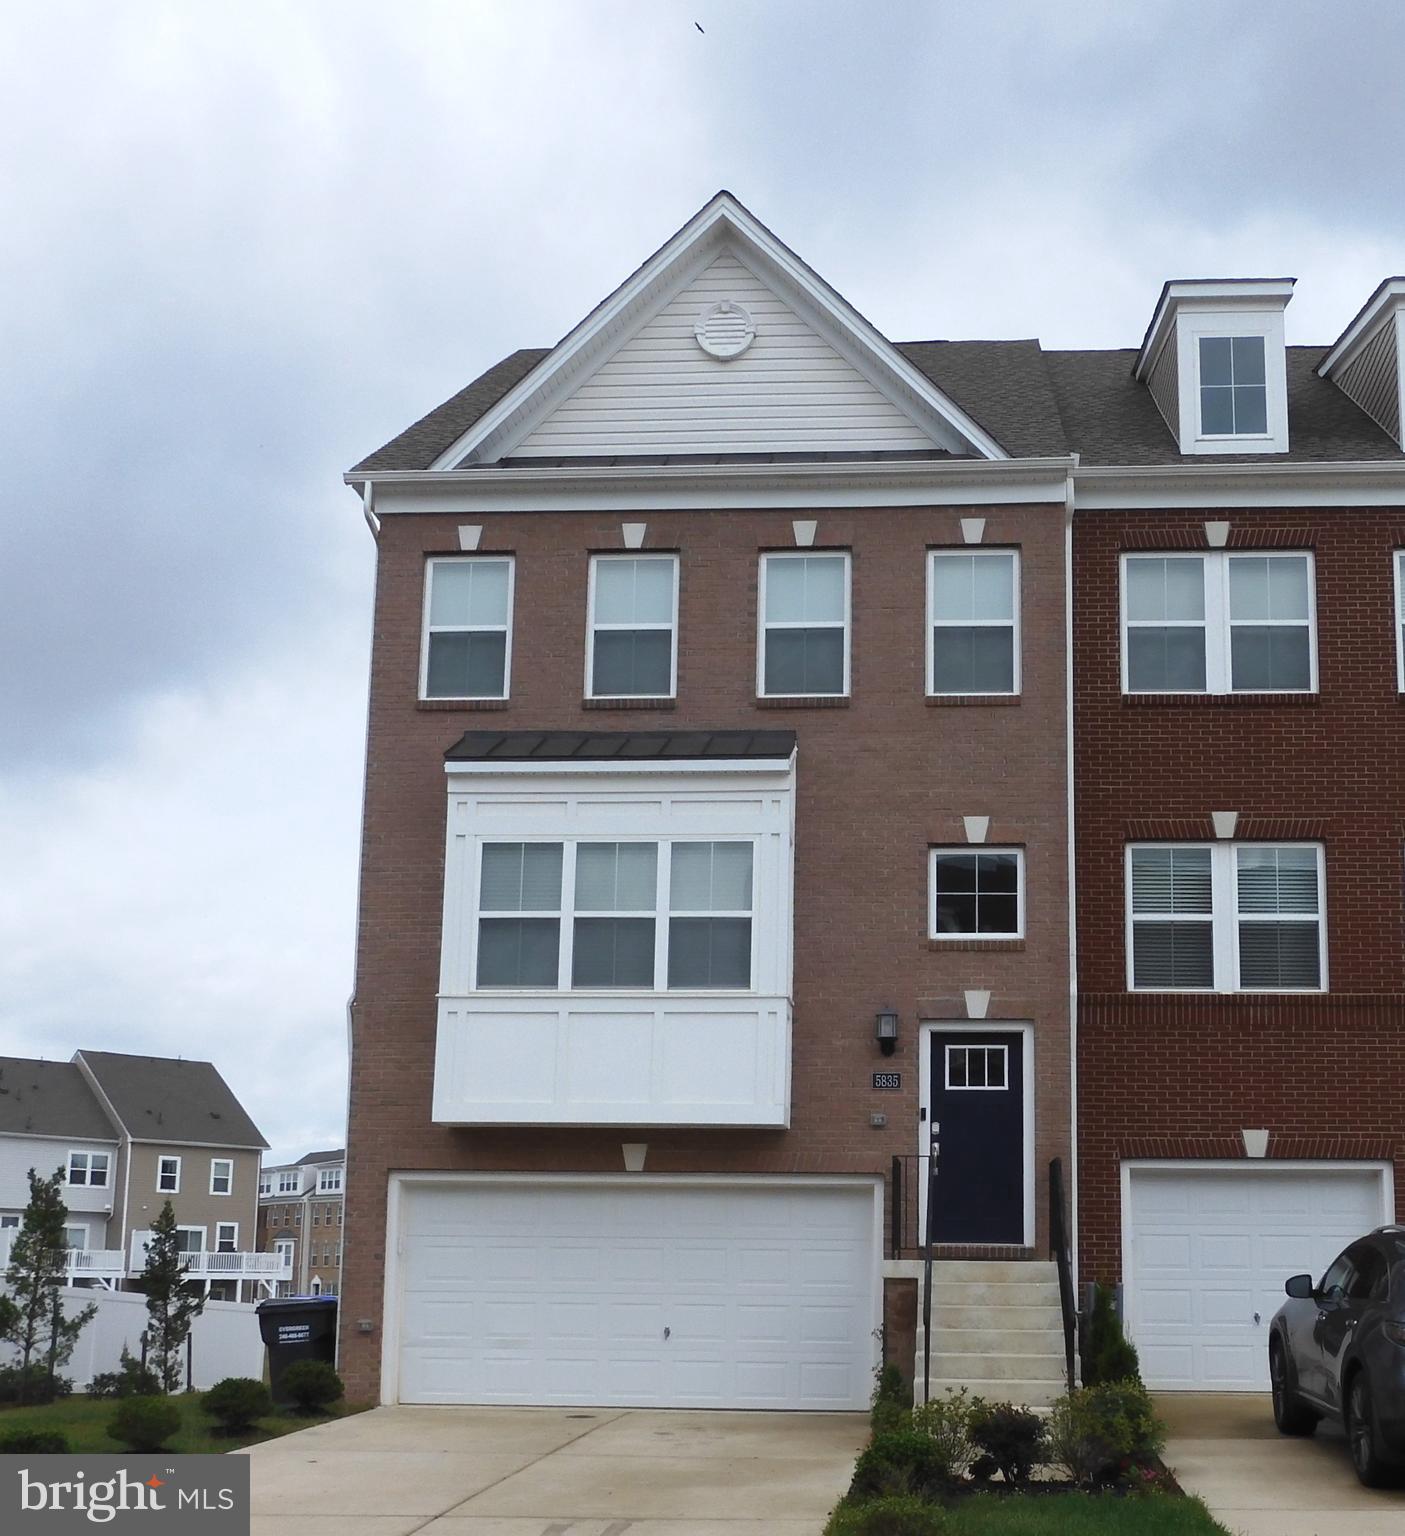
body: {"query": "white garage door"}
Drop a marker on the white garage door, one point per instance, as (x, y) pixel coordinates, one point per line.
(638, 1293)
(1209, 1250)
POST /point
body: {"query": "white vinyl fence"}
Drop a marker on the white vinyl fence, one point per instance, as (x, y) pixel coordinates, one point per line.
(225, 1337)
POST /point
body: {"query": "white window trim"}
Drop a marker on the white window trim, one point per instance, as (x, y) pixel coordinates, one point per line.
(1224, 920)
(1194, 322)
(590, 625)
(1232, 331)
(1217, 624)
(204, 1234)
(1001, 1087)
(78, 1226)
(486, 629)
(762, 626)
(88, 1155)
(932, 621)
(285, 1188)
(265, 1184)
(324, 1181)
(972, 848)
(566, 915)
(222, 1162)
(1398, 564)
(160, 1174)
(227, 1226)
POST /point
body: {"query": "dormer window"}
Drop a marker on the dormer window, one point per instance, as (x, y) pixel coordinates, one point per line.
(1233, 390)
(1215, 364)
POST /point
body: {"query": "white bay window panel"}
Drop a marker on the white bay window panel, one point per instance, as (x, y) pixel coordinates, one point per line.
(973, 622)
(667, 996)
(1219, 622)
(1226, 917)
(467, 628)
(803, 649)
(632, 645)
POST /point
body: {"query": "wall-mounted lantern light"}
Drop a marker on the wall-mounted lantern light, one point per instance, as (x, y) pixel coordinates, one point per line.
(886, 1030)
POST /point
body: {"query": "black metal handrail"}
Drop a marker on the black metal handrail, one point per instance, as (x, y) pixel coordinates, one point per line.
(1058, 1251)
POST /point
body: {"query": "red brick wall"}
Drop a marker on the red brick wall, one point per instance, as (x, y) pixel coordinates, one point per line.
(879, 779)
(1181, 1076)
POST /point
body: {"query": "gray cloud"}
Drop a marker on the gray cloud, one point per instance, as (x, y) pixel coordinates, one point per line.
(245, 243)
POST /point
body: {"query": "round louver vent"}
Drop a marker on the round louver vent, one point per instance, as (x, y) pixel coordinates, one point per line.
(725, 330)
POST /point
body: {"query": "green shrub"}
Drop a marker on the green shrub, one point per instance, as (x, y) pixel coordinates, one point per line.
(34, 1442)
(947, 1420)
(1108, 1354)
(312, 1385)
(130, 1379)
(18, 1385)
(899, 1461)
(1010, 1439)
(237, 1402)
(144, 1423)
(899, 1515)
(892, 1397)
(1093, 1431)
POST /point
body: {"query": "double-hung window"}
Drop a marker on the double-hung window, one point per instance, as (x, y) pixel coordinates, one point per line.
(1226, 917)
(168, 1175)
(632, 645)
(1399, 564)
(1233, 387)
(88, 1168)
(616, 916)
(1218, 623)
(977, 893)
(221, 1176)
(288, 1181)
(265, 1184)
(973, 622)
(329, 1180)
(467, 627)
(803, 646)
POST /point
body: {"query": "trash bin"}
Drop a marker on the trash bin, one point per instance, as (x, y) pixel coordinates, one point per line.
(297, 1328)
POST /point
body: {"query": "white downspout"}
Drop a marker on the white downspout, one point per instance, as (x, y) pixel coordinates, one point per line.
(1069, 504)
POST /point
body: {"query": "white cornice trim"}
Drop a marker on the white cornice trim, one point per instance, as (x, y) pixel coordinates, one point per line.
(1221, 293)
(1315, 484)
(580, 352)
(1388, 297)
(718, 486)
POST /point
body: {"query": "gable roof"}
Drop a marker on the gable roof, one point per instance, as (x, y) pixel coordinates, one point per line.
(50, 1098)
(161, 1098)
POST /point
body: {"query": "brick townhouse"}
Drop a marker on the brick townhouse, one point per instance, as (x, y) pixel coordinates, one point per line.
(715, 880)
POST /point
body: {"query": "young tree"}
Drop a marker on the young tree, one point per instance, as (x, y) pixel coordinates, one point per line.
(31, 1313)
(171, 1303)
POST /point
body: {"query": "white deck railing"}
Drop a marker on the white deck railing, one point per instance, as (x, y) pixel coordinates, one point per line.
(82, 1263)
(206, 1265)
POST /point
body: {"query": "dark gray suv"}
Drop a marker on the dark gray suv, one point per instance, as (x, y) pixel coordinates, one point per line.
(1338, 1348)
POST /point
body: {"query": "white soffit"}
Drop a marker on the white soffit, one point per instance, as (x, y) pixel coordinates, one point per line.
(1224, 294)
(1387, 300)
(723, 225)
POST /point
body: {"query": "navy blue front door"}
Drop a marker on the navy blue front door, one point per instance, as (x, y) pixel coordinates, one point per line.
(977, 1121)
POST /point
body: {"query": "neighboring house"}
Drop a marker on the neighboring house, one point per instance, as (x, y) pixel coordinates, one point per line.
(717, 861)
(1241, 813)
(300, 1216)
(136, 1131)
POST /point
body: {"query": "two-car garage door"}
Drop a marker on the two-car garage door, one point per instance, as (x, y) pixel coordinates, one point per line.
(1207, 1250)
(637, 1292)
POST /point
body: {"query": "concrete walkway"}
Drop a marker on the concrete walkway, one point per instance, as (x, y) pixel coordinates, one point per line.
(1257, 1482)
(556, 1472)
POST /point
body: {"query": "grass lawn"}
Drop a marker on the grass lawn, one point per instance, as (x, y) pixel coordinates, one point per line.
(1077, 1514)
(85, 1419)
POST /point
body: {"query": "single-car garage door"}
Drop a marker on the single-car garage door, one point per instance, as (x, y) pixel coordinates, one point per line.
(1207, 1251)
(638, 1292)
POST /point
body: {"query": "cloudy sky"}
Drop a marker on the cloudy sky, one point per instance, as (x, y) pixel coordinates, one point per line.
(245, 243)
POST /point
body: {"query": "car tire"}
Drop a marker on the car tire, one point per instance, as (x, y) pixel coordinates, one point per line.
(1363, 1438)
(1290, 1413)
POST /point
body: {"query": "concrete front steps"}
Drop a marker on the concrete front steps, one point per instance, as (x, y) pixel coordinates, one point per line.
(996, 1330)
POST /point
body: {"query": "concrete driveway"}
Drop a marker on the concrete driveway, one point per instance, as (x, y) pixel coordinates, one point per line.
(556, 1472)
(1257, 1482)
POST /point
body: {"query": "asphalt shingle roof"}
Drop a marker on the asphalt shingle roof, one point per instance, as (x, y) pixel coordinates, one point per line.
(1035, 403)
(158, 1098)
(49, 1098)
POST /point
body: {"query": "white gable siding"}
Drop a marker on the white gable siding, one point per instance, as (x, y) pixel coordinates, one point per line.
(789, 392)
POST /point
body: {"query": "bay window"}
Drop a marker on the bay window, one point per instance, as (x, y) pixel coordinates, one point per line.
(666, 915)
